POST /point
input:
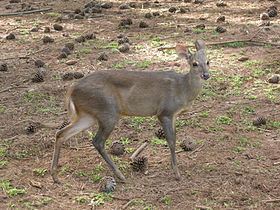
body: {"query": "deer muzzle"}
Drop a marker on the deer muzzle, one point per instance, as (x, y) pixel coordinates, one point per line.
(205, 76)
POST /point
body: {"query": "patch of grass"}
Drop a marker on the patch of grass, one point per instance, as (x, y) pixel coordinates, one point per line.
(4, 163)
(5, 184)
(95, 177)
(204, 114)
(244, 141)
(157, 141)
(14, 192)
(111, 45)
(83, 51)
(99, 167)
(32, 96)
(143, 64)
(129, 150)
(236, 81)
(167, 200)
(80, 199)
(3, 152)
(54, 14)
(239, 149)
(223, 120)
(80, 173)
(40, 172)
(55, 108)
(99, 199)
(231, 45)
(156, 43)
(125, 140)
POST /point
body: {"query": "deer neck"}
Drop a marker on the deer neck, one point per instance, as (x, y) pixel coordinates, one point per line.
(193, 86)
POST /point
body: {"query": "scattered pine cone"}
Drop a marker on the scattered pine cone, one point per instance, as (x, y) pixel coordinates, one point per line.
(143, 24)
(123, 40)
(35, 29)
(64, 124)
(172, 9)
(78, 75)
(10, 36)
(125, 22)
(103, 57)
(198, 1)
(272, 11)
(221, 4)
(47, 30)
(90, 36)
(3, 67)
(160, 134)
(124, 48)
(221, 19)
(68, 76)
(264, 16)
(139, 164)
(39, 63)
(66, 50)
(156, 14)
(259, 121)
(148, 15)
(70, 46)
(30, 129)
(187, 144)
(220, 29)
(80, 39)
(62, 55)
(37, 78)
(124, 6)
(47, 39)
(107, 184)
(274, 79)
(58, 27)
(200, 26)
(117, 148)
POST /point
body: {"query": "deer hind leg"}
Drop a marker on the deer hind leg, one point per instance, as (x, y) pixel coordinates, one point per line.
(106, 125)
(62, 135)
(169, 130)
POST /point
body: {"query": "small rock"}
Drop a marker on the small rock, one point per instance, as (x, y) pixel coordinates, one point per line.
(124, 6)
(71, 62)
(221, 19)
(124, 48)
(172, 9)
(272, 11)
(242, 59)
(62, 55)
(10, 36)
(47, 30)
(39, 63)
(47, 39)
(70, 46)
(148, 15)
(220, 29)
(143, 24)
(58, 27)
(80, 39)
(3, 67)
(264, 16)
(103, 57)
(274, 79)
(221, 4)
(35, 29)
(66, 50)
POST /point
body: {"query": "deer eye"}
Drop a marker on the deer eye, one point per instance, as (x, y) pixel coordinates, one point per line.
(208, 63)
(195, 64)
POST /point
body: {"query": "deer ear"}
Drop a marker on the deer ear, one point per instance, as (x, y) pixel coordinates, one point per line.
(200, 44)
(183, 52)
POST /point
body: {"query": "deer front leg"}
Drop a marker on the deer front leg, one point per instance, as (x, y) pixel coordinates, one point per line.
(169, 130)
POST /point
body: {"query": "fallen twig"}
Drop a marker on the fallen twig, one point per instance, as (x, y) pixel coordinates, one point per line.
(25, 12)
(271, 201)
(203, 207)
(197, 149)
(11, 87)
(138, 151)
(127, 204)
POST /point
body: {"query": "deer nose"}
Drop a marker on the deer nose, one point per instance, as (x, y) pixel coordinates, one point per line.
(206, 76)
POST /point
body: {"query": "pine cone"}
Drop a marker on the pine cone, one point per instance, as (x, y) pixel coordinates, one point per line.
(64, 124)
(107, 184)
(70, 46)
(220, 29)
(272, 12)
(187, 144)
(78, 75)
(38, 78)
(39, 63)
(274, 79)
(117, 148)
(259, 121)
(160, 134)
(139, 164)
(3, 67)
(30, 129)
(68, 76)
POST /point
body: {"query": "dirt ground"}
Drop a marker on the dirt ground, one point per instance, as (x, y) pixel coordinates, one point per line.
(233, 164)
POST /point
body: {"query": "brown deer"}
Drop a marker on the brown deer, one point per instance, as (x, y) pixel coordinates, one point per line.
(106, 95)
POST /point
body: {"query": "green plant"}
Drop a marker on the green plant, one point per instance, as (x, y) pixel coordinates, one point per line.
(143, 64)
(99, 167)
(83, 51)
(95, 177)
(80, 173)
(223, 120)
(129, 150)
(3, 163)
(157, 141)
(204, 114)
(81, 200)
(167, 200)
(40, 172)
(111, 45)
(99, 199)
(239, 149)
(54, 14)
(244, 141)
(15, 192)
(125, 140)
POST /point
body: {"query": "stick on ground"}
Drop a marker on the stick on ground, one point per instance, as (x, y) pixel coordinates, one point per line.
(25, 12)
(138, 151)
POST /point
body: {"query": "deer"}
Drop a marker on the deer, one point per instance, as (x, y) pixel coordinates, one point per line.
(106, 95)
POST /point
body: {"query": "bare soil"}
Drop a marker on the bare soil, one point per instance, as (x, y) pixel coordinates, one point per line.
(234, 164)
